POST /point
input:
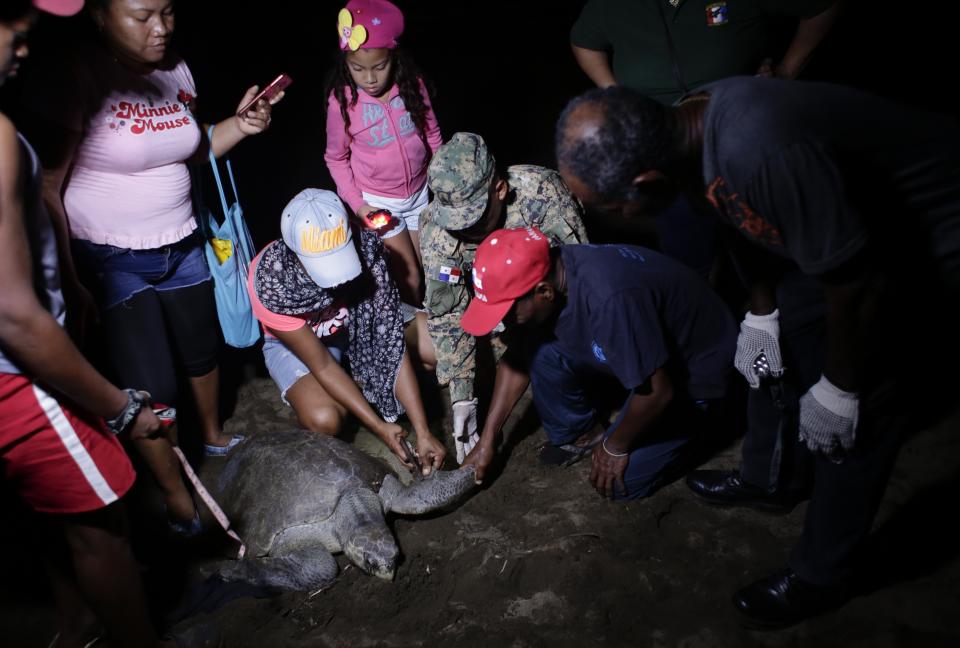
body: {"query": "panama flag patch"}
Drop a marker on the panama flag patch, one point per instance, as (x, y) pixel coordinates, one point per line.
(449, 274)
(716, 14)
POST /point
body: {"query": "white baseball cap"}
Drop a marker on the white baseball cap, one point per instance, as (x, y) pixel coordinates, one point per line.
(315, 226)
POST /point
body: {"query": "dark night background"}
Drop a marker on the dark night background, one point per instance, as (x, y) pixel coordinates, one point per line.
(505, 70)
(501, 69)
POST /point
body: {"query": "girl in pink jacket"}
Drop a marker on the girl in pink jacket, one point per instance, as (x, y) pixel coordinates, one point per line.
(381, 133)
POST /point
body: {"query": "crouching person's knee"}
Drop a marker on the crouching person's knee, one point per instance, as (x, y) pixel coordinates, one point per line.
(324, 420)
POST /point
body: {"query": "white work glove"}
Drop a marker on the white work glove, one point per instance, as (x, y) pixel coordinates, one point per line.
(758, 334)
(828, 419)
(332, 325)
(465, 427)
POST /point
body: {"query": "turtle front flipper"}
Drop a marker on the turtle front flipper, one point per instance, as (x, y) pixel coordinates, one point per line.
(436, 491)
(304, 570)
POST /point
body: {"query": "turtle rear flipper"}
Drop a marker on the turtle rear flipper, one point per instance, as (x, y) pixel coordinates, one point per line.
(441, 488)
(303, 570)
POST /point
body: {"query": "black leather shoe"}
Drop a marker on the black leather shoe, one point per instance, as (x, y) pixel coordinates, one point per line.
(783, 599)
(726, 488)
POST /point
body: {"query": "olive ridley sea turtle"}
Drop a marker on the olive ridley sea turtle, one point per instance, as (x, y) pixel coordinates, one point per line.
(296, 497)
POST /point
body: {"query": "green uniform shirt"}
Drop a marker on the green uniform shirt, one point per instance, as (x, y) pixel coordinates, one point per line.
(537, 197)
(713, 40)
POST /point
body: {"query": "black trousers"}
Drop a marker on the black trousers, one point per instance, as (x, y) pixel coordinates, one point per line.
(902, 352)
(150, 334)
(845, 500)
(773, 457)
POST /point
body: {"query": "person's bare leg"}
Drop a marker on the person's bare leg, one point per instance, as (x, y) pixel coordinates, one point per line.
(404, 265)
(419, 344)
(77, 625)
(315, 408)
(415, 239)
(107, 575)
(206, 394)
(165, 467)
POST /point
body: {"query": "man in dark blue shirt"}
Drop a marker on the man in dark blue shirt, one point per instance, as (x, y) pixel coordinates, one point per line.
(594, 310)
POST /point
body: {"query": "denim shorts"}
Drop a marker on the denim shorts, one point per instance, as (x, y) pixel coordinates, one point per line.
(285, 367)
(121, 273)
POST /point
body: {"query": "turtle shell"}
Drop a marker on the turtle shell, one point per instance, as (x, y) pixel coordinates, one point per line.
(277, 480)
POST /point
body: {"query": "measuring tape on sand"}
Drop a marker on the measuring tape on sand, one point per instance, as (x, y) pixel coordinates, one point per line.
(168, 417)
(211, 503)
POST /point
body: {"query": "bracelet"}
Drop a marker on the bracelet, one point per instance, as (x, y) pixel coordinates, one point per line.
(135, 402)
(612, 454)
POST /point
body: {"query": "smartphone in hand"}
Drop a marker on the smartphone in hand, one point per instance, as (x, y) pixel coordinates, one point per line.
(268, 93)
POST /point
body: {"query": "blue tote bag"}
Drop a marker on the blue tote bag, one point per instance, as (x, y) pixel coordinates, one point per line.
(229, 251)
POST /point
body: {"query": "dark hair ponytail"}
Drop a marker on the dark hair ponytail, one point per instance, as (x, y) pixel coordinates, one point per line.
(406, 75)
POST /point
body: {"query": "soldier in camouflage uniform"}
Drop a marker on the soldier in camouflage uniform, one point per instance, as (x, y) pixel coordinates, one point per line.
(471, 199)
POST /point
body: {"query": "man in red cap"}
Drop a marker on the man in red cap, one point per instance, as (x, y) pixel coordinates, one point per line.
(588, 314)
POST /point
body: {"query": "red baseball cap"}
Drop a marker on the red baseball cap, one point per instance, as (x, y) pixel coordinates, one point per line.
(59, 7)
(508, 264)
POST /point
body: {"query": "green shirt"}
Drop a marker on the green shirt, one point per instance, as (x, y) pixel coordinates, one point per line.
(712, 40)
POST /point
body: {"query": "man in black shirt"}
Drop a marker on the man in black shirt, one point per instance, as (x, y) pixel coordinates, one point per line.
(602, 310)
(858, 193)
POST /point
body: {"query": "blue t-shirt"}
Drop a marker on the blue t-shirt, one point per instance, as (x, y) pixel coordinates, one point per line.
(631, 311)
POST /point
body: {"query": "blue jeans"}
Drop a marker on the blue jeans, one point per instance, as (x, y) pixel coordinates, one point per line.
(121, 273)
(565, 394)
(158, 312)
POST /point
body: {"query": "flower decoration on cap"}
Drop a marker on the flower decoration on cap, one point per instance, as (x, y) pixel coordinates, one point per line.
(351, 36)
(369, 24)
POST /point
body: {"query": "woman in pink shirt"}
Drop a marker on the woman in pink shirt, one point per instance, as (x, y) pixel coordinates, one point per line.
(381, 133)
(122, 186)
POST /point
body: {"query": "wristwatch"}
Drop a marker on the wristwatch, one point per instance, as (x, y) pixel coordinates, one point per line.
(135, 401)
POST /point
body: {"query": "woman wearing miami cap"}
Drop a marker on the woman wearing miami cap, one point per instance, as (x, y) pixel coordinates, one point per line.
(324, 296)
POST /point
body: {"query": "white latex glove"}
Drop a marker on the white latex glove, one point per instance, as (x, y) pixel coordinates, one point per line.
(828, 419)
(465, 434)
(758, 334)
(332, 325)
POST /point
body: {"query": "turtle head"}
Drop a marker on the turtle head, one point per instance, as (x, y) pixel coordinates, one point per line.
(373, 549)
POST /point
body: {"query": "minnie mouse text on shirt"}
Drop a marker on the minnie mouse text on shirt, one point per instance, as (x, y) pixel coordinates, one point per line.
(145, 118)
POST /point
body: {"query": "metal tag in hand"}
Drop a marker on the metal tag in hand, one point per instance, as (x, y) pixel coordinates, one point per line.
(413, 458)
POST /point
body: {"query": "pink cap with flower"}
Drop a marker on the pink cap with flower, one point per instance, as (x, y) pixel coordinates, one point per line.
(369, 24)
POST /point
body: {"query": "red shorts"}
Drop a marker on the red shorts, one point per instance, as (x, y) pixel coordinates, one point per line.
(59, 458)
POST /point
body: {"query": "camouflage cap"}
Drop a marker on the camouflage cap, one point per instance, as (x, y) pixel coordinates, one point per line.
(459, 177)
